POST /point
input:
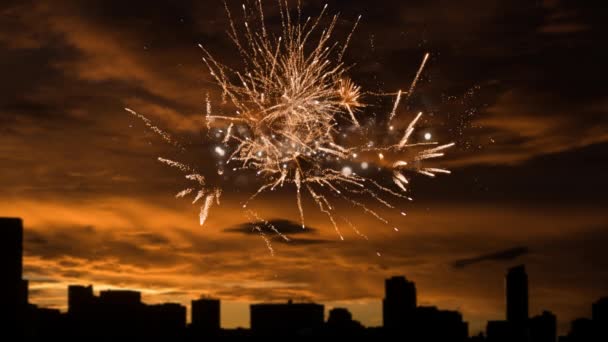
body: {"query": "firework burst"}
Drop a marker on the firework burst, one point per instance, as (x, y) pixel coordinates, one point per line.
(289, 105)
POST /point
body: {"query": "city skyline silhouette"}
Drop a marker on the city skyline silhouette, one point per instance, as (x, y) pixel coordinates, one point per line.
(122, 313)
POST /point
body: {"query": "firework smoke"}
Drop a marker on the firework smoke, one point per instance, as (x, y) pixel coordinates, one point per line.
(288, 104)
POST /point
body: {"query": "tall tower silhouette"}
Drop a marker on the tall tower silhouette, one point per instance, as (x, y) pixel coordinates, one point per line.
(12, 249)
(399, 302)
(517, 295)
(600, 318)
(13, 289)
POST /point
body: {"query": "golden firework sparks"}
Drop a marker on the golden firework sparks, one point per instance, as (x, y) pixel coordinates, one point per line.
(287, 102)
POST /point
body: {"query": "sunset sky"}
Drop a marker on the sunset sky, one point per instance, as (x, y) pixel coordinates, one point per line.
(515, 84)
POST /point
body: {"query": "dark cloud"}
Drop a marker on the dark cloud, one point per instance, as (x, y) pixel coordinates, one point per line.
(504, 255)
(285, 227)
(85, 244)
(550, 179)
(153, 238)
(34, 238)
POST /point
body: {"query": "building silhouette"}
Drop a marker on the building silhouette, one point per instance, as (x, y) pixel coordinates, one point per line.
(599, 311)
(517, 295)
(339, 317)
(120, 314)
(428, 319)
(82, 310)
(165, 320)
(13, 289)
(399, 302)
(402, 317)
(205, 316)
(499, 331)
(44, 323)
(516, 291)
(517, 326)
(81, 300)
(543, 328)
(340, 323)
(581, 330)
(599, 316)
(594, 329)
(286, 319)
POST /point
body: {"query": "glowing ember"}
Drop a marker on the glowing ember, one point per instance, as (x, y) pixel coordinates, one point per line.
(347, 171)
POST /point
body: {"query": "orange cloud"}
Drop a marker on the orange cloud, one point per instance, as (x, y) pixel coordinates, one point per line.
(158, 248)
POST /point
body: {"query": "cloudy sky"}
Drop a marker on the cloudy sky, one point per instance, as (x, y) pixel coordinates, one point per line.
(516, 84)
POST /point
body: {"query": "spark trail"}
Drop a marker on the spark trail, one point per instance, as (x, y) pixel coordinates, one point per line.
(287, 108)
